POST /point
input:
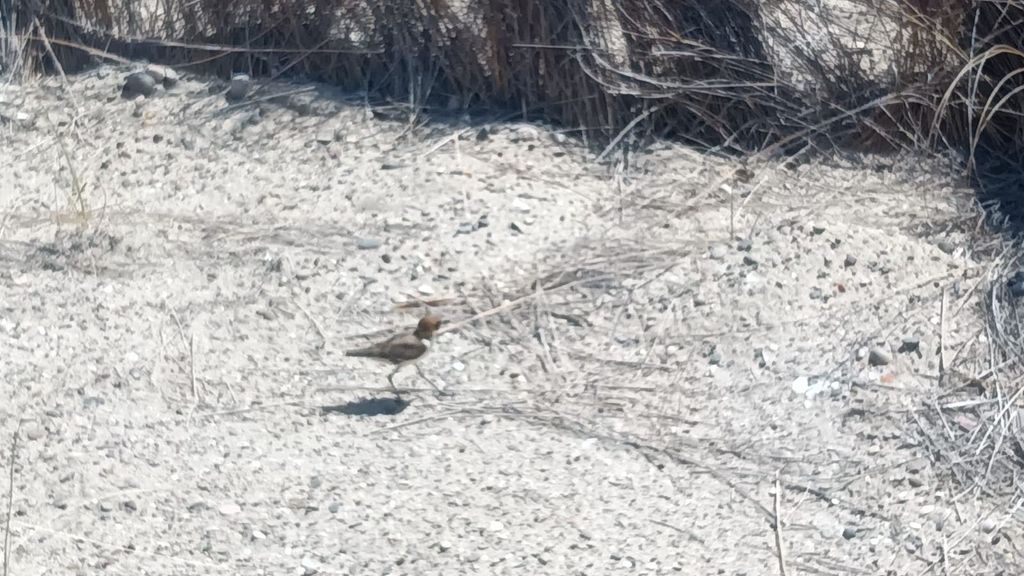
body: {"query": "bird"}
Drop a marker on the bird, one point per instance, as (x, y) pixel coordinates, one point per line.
(402, 349)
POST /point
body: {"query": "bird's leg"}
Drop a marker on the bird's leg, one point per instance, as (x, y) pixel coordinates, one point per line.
(431, 382)
(391, 381)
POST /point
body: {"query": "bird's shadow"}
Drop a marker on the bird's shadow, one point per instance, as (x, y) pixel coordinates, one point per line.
(368, 407)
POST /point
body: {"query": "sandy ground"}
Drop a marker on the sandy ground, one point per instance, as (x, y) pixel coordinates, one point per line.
(642, 366)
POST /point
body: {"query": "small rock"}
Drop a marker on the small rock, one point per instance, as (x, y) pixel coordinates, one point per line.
(910, 344)
(258, 535)
(170, 78)
(715, 359)
(717, 252)
(750, 261)
(849, 532)
(987, 525)
(877, 356)
(325, 135)
(425, 289)
(817, 230)
(368, 243)
(946, 246)
(744, 245)
(138, 84)
(229, 509)
(239, 88)
(850, 261)
(816, 293)
(515, 228)
(482, 134)
(315, 482)
(106, 506)
(310, 566)
(157, 72)
(334, 507)
(458, 366)
(800, 384)
(130, 506)
(161, 75)
(699, 300)
(33, 430)
(464, 228)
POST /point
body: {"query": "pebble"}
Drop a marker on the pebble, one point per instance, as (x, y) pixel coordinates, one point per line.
(714, 358)
(458, 366)
(520, 205)
(465, 228)
(987, 525)
(368, 243)
(946, 246)
(849, 532)
(816, 293)
(800, 385)
(239, 88)
(334, 507)
(850, 261)
(325, 135)
(425, 289)
(910, 344)
(157, 72)
(170, 78)
(717, 252)
(257, 535)
(818, 230)
(310, 566)
(229, 509)
(33, 430)
(744, 245)
(138, 84)
(750, 261)
(877, 356)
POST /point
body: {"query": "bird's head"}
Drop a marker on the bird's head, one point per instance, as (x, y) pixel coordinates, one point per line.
(427, 326)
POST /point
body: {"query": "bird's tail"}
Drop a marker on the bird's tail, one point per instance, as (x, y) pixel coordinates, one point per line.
(363, 352)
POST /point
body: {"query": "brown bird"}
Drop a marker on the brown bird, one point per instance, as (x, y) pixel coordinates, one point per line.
(402, 349)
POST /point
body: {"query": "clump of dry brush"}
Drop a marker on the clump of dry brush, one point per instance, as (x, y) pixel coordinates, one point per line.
(708, 73)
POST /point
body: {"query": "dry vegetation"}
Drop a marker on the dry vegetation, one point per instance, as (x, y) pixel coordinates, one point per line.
(780, 79)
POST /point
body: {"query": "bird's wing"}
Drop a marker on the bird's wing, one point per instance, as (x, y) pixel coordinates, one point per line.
(404, 348)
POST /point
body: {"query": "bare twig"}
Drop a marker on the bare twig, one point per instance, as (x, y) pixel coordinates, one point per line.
(312, 320)
(777, 509)
(10, 500)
